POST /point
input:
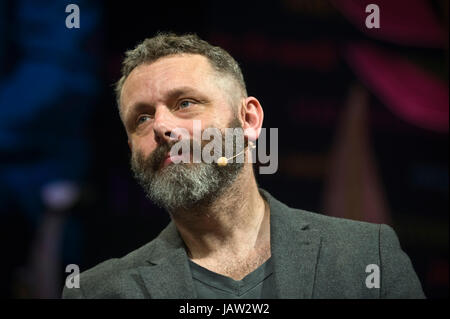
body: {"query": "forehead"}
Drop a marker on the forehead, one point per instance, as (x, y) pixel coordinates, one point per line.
(151, 81)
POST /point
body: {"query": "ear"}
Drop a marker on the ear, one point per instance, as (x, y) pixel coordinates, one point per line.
(252, 116)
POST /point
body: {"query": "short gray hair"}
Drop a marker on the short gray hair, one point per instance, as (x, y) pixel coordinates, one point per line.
(167, 44)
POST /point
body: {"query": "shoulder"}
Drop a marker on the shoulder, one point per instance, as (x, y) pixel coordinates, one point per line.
(332, 230)
(346, 231)
(114, 272)
(337, 228)
(348, 247)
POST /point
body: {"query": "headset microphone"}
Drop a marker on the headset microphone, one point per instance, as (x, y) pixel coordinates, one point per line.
(223, 161)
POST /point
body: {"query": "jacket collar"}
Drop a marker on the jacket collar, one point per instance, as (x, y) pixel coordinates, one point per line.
(294, 249)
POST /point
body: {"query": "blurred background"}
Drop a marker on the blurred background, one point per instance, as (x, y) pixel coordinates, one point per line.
(362, 118)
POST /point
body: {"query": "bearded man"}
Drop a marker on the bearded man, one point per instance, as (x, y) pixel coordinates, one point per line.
(227, 237)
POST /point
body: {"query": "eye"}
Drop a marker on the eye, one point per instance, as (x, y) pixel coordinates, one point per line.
(185, 104)
(143, 118)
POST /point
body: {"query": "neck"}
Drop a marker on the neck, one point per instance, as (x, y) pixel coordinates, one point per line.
(236, 223)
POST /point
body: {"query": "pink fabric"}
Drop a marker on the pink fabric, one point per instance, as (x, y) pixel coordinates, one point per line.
(410, 92)
(408, 22)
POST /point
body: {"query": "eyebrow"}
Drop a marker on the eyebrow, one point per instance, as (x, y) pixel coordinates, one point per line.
(177, 92)
(169, 95)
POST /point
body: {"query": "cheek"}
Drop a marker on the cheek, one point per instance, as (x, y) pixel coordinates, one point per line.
(144, 145)
(223, 118)
(219, 118)
(194, 128)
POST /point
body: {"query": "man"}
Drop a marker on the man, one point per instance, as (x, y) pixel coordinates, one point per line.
(227, 237)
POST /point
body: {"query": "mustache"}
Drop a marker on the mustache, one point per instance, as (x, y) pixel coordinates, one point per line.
(156, 158)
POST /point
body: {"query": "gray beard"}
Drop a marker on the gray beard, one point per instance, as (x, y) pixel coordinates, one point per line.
(183, 186)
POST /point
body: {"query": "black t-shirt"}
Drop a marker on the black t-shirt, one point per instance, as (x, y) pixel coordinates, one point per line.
(258, 284)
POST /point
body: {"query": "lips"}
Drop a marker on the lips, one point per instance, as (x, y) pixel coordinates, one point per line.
(172, 159)
(167, 161)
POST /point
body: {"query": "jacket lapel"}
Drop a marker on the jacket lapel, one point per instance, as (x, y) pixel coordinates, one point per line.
(295, 251)
(168, 275)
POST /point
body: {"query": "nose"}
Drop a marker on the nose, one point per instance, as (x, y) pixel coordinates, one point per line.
(164, 126)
